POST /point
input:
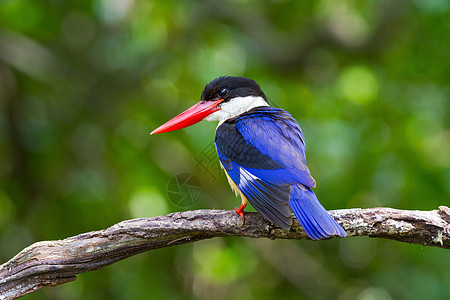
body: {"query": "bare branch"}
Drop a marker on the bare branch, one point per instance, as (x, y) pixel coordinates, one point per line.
(57, 262)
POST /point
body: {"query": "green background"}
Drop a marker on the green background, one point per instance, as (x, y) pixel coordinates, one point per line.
(82, 83)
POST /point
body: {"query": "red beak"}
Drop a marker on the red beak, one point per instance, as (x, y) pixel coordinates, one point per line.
(190, 116)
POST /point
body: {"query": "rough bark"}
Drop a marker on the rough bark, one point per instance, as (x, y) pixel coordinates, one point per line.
(51, 263)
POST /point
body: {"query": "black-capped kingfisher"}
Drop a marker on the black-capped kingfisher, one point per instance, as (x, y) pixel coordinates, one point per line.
(262, 150)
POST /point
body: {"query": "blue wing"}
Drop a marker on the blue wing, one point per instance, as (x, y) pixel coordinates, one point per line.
(263, 152)
(277, 135)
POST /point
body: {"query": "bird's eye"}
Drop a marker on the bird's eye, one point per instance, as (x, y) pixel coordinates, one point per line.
(223, 92)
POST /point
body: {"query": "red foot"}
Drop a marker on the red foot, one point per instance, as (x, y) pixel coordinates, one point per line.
(240, 211)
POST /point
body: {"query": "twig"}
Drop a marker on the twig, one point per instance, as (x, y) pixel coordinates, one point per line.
(56, 262)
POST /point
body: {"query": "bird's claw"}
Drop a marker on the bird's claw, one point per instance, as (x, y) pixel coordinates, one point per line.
(240, 211)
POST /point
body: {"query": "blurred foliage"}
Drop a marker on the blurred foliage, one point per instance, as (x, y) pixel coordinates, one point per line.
(82, 83)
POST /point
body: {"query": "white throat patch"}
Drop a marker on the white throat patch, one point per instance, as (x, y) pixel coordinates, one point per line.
(235, 107)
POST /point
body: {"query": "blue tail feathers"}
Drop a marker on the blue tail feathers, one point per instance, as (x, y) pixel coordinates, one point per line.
(313, 217)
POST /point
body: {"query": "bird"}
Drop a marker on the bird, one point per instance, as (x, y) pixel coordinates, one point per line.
(262, 150)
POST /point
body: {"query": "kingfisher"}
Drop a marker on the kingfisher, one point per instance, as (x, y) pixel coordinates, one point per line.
(262, 150)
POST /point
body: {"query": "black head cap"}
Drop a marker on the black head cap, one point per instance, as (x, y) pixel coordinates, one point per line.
(229, 87)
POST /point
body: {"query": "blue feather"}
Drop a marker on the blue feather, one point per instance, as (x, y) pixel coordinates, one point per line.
(313, 217)
(263, 153)
(278, 136)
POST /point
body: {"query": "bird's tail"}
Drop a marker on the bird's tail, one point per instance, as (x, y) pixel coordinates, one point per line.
(313, 217)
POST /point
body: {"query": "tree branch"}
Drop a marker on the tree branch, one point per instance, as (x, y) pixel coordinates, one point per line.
(56, 262)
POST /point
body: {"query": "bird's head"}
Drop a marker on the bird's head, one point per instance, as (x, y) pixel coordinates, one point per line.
(222, 99)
